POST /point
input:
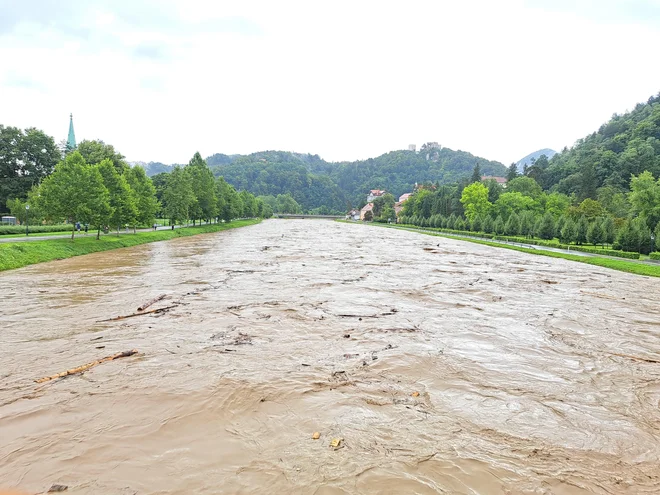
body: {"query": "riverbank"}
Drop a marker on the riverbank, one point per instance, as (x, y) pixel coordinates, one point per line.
(634, 267)
(19, 254)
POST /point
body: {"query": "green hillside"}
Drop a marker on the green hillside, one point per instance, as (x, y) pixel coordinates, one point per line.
(626, 145)
(315, 183)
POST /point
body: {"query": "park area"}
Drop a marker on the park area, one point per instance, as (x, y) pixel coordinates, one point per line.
(317, 357)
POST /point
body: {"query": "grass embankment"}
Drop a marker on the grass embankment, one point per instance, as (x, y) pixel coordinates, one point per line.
(16, 255)
(623, 266)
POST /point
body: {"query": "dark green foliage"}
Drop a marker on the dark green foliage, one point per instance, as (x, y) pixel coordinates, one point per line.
(626, 145)
(512, 225)
(545, 228)
(313, 182)
(568, 233)
(26, 158)
(595, 233)
(498, 225)
(608, 230)
(581, 229)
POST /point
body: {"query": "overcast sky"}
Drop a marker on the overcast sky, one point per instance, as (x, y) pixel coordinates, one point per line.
(161, 79)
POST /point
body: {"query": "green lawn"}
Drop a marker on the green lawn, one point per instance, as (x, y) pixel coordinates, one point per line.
(18, 254)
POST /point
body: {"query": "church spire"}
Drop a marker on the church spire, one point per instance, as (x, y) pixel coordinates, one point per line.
(71, 141)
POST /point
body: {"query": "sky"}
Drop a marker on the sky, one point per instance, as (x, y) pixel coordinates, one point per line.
(347, 80)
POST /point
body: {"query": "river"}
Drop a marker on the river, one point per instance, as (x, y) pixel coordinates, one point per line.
(444, 367)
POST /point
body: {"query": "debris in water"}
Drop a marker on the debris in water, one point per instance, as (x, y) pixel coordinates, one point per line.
(347, 335)
(316, 435)
(58, 488)
(335, 443)
(150, 302)
(415, 394)
(159, 310)
(87, 366)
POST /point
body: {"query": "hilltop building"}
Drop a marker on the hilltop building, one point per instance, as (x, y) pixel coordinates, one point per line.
(412, 147)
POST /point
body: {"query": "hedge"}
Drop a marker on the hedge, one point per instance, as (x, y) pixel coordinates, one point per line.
(34, 229)
(540, 242)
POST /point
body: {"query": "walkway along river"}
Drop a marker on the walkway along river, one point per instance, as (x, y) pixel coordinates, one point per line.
(444, 367)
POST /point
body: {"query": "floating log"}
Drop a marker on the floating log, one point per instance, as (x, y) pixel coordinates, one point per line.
(150, 302)
(87, 366)
(159, 310)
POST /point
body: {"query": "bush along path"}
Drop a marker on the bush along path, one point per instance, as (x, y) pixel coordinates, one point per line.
(646, 268)
(19, 254)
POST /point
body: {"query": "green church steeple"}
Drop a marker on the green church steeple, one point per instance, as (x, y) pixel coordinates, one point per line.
(71, 141)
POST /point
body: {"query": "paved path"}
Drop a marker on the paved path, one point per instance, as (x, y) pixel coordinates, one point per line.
(37, 237)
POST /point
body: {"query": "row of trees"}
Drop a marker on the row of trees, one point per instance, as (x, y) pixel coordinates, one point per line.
(632, 235)
(628, 221)
(94, 185)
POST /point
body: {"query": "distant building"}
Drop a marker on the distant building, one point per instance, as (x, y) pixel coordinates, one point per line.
(398, 208)
(353, 215)
(500, 180)
(71, 140)
(404, 197)
(412, 147)
(367, 207)
(373, 194)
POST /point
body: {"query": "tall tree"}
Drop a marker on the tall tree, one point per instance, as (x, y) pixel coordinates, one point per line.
(26, 158)
(512, 172)
(74, 191)
(476, 174)
(94, 152)
(475, 200)
(595, 233)
(178, 196)
(203, 185)
(144, 194)
(645, 198)
(122, 199)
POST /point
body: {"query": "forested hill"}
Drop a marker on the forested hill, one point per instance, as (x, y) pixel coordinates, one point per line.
(315, 183)
(532, 157)
(602, 163)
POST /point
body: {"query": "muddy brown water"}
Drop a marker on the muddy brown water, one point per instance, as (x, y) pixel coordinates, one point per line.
(293, 327)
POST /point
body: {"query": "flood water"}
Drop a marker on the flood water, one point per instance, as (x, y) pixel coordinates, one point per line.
(445, 367)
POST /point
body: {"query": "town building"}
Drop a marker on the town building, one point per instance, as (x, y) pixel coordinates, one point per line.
(500, 180)
(373, 194)
(404, 197)
(353, 215)
(367, 207)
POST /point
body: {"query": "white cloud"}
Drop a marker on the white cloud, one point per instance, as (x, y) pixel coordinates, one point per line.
(345, 80)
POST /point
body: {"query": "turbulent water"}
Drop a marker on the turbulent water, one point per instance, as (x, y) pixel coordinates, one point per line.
(444, 367)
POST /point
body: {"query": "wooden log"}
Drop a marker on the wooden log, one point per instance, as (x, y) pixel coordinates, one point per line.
(150, 302)
(87, 366)
(159, 310)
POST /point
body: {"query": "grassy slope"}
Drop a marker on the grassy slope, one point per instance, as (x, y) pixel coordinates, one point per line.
(16, 255)
(621, 265)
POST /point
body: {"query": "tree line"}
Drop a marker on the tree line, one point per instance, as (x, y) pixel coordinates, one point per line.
(95, 186)
(626, 221)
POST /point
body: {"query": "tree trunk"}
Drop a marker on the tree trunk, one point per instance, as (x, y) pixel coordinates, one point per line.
(73, 231)
(98, 234)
